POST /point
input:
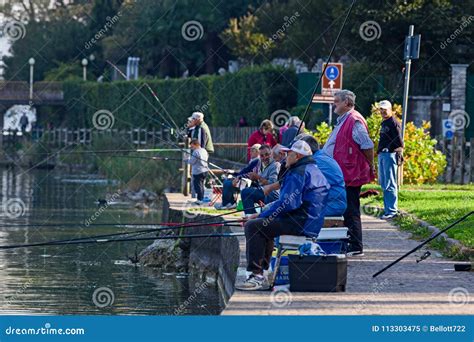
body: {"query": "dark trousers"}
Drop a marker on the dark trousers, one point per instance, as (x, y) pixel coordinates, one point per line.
(352, 217)
(198, 185)
(259, 235)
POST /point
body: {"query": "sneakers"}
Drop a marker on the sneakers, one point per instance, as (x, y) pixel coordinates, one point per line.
(254, 282)
(198, 202)
(388, 216)
(231, 206)
(355, 254)
(225, 207)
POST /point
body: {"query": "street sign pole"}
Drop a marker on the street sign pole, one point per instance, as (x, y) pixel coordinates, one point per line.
(412, 51)
(330, 115)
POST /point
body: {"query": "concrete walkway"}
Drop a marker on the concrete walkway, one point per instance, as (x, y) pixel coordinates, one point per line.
(430, 287)
(406, 289)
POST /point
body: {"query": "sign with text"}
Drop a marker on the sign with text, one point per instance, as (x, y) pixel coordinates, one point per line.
(332, 78)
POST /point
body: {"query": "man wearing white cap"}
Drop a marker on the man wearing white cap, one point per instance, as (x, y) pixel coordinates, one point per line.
(199, 130)
(389, 155)
(298, 211)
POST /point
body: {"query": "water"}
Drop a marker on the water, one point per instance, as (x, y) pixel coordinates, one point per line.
(82, 279)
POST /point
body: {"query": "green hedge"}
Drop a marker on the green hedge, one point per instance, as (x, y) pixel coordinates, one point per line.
(253, 93)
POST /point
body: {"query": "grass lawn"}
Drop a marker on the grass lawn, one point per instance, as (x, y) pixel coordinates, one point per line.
(438, 204)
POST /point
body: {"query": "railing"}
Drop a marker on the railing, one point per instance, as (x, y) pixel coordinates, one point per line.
(460, 157)
(42, 91)
(229, 142)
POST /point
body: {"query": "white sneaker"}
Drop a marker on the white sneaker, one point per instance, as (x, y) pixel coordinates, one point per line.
(218, 206)
(254, 282)
(198, 202)
(231, 206)
(387, 216)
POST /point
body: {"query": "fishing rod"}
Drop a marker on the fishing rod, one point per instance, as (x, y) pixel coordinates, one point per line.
(101, 237)
(325, 66)
(152, 93)
(167, 237)
(422, 244)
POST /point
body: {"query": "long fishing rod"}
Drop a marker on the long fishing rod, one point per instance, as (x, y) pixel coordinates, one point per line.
(325, 66)
(150, 90)
(167, 237)
(101, 237)
(422, 244)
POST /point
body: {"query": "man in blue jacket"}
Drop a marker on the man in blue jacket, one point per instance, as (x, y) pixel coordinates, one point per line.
(298, 211)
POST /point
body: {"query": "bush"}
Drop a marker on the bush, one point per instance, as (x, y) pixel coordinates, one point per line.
(252, 92)
(423, 163)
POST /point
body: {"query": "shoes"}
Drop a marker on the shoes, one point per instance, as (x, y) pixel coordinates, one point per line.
(219, 206)
(254, 282)
(198, 202)
(231, 206)
(355, 254)
(388, 216)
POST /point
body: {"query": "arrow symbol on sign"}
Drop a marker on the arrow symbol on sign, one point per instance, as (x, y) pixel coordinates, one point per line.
(331, 84)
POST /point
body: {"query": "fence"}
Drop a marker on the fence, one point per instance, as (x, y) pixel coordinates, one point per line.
(230, 142)
(460, 157)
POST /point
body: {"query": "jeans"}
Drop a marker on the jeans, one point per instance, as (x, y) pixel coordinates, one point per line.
(388, 181)
(259, 235)
(253, 195)
(228, 192)
(352, 218)
(198, 185)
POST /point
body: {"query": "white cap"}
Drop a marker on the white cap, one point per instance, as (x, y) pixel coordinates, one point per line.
(300, 147)
(196, 116)
(385, 104)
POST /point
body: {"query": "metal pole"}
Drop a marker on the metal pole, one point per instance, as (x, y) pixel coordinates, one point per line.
(406, 86)
(330, 114)
(31, 81)
(186, 169)
(84, 73)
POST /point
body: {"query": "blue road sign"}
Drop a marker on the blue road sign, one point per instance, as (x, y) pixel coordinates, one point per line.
(332, 72)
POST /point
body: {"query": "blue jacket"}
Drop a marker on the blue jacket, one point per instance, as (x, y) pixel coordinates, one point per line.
(337, 202)
(303, 196)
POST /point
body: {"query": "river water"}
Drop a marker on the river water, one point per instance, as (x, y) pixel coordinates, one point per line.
(82, 279)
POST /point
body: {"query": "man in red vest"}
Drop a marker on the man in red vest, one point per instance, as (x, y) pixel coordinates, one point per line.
(350, 145)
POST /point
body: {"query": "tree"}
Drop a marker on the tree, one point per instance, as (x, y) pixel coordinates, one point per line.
(243, 40)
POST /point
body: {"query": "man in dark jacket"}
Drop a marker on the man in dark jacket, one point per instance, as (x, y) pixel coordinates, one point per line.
(298, 211)
(293, 130)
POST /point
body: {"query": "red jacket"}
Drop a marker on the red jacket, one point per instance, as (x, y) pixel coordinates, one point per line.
(258, 137)
(347, 153)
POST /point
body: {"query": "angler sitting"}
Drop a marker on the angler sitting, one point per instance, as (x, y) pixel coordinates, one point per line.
(336, 202)
(298, 211)
(267, 173)
(230, 187)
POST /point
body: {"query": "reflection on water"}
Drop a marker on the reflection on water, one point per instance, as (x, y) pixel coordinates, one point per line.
(72, 279)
